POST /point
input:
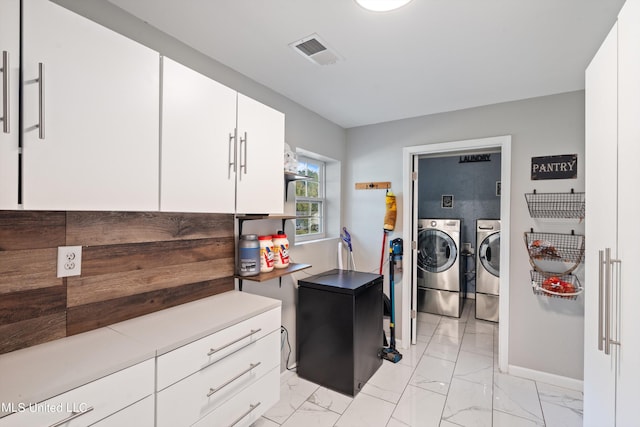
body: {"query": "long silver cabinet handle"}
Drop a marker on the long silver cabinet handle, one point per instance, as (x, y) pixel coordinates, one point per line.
(617, 293)
(213, 390)
(73, 416)
(607, 301)
(600, 302)
(241, 417)
(215, 350)
(245, 142)
(232, 151)
(6, 99)
(41, 100)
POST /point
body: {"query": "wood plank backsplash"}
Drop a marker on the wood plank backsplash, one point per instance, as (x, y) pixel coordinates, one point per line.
(133, 263)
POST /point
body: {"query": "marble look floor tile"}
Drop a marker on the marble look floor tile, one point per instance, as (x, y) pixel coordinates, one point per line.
(388, 382)
(518, 397)
(331, 400)
(448, 424)
(560, 406)
(294, 391)
(310, 415)
(475, 368)
(425, 330)
(481, 326)
(478, 342)
(468, 404)
(366, 411)
(411, 356)
(433, 374)
(451, 328)
(419, 407)
(501, 419)
(444, 347)
(264, 422)
(428, 318)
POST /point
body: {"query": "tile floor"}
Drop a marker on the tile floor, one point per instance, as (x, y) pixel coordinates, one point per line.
(449, 379)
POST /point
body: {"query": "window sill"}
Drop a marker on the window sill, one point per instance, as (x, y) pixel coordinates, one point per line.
(320, 240)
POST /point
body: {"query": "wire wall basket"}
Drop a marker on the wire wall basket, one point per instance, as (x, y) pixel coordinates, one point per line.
(554, 252)
(566, 286)
(556, 205)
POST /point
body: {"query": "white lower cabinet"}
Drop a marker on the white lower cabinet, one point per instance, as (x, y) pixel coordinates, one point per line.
(90, 403)
(247, 406)
(140, 414)
(186, 360)
(210, 387)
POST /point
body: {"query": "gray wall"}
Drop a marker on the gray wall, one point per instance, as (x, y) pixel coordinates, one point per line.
(473, 187)
(545, 335)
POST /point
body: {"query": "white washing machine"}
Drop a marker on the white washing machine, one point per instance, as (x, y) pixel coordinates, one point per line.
(487, 269)
(440, 290)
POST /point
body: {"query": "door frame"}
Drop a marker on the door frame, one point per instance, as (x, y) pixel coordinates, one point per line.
(409, 287)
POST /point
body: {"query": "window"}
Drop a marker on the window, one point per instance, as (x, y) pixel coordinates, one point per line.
(310, 199)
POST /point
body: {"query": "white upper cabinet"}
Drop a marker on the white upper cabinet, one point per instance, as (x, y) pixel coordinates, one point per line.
(260, 164)
(90, 114)
(9, 131)
(198, 126)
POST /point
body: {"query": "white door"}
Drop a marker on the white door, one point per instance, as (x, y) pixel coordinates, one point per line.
(601, 115)
(198, 124)
(260, 179)
(9, 131)
(91, 139)
(628, 394)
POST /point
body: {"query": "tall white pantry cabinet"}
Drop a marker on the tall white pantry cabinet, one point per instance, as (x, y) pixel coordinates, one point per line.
(612, 340)
(9, 131)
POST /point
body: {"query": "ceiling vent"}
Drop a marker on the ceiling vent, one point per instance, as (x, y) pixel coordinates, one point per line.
(315, 50)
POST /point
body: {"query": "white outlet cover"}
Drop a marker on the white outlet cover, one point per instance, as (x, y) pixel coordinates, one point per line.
(69, 260)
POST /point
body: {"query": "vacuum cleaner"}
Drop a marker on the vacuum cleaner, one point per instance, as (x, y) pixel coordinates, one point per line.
(395, 254)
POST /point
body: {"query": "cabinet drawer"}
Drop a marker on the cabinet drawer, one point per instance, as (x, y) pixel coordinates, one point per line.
(140, 414)
(186, 401)
(247, 407)
(89, 403)
(186, 360)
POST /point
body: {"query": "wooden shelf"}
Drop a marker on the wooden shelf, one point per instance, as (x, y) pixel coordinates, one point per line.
(276, 273)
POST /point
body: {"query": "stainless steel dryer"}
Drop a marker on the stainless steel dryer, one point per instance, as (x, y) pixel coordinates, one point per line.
(439, 267)
(487, 269)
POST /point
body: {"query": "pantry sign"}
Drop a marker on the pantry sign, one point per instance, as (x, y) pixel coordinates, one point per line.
(554, 167)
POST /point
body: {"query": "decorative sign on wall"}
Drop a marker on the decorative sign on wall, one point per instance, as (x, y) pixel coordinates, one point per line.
(447, 201)
(472, 158)
(554, 167)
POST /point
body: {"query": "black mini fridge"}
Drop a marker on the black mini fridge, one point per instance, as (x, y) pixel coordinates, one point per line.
(339, 329)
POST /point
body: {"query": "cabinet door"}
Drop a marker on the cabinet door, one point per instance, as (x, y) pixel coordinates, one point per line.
(628, 394)
(140, 414)
(9, 131)
(601, 137)
(260, 180)
(98, 111)
(198, 123)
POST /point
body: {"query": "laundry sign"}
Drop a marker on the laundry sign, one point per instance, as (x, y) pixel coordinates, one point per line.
(554, 167)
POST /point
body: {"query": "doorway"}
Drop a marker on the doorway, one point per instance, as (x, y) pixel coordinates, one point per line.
(411, 158)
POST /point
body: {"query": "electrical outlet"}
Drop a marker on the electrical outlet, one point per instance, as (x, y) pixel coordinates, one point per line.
(69, 260)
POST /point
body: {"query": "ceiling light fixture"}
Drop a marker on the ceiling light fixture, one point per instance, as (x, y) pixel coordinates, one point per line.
(382, 5)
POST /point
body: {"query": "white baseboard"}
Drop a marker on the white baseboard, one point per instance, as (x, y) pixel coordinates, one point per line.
(545, 377)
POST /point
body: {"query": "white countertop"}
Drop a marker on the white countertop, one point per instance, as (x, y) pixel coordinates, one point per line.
(166, 330)
(40, 372)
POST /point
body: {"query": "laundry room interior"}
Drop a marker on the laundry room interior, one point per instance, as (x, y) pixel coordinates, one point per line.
(458, 210)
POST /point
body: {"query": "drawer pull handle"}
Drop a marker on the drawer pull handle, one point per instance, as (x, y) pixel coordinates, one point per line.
(6, 87)
(215, 350)
(240, 418)
(73, 416)
(220, 387)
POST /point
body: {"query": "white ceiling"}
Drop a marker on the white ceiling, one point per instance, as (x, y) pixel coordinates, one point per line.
(430, 56)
